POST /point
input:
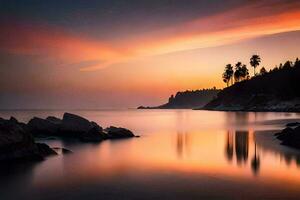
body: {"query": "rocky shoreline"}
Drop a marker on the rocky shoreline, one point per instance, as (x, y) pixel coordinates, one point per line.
(17, 143)
(17, 139)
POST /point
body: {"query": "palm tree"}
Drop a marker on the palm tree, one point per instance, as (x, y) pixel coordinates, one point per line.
(226, 78)
(229, 70)
(227, 74)
(237, 73)
(244, 72)
(254, 62)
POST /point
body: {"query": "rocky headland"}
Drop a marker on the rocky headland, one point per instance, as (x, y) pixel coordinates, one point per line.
(187, 99)
(274, 91)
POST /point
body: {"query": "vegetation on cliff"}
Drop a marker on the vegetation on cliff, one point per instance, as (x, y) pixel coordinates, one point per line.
(276, 90)
(188, 99)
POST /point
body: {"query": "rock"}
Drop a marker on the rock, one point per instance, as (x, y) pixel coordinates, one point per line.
(39, 126)
(45, 150)
(16, 143)
(94, 135)
(54, 120)
(96, 126)
(118, 132)
(284, 133)
(12, 119)
(293, 124)
(74, 124)
(290, 137)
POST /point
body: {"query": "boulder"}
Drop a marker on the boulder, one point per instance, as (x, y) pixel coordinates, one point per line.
(290, 137)
(54, 120)
(39, 126)
(12, 119)
(74, 124)
(16, 143)
(118, 132)
(95, 126)
(93, 135)
(76, 127)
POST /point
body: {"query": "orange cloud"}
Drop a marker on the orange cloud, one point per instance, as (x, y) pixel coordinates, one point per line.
(234, 25)
(55, 43)
(252, 20)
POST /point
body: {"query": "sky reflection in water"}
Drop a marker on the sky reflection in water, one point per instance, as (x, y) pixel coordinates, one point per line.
(180, 154)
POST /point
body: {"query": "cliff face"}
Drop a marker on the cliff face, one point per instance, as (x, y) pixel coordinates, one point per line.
(188, 99)
(278, 90)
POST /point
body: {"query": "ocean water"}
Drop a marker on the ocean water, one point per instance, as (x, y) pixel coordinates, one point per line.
(181, 154)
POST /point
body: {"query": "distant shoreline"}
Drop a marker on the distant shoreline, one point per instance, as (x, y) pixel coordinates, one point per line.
(242, 110)
(222, 110)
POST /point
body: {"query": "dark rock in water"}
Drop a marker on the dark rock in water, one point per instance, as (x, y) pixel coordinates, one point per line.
(77, 127)
(96, 127)
(284, 133)
(290, 137)
(93, 135)
(117, 132)
(293, 124)
(54, 120)
(45, 150)
(16, 143)
(74, 124)
(12, 119)
(38, 126)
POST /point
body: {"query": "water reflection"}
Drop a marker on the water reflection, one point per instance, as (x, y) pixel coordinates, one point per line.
(229, 146)
(238, 146)
(242, 146)
(183, 154)
(255, 163)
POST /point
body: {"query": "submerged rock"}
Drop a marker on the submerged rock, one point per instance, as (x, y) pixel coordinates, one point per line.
(17, 143)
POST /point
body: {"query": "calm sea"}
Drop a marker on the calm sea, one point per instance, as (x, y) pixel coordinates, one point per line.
(181, 154)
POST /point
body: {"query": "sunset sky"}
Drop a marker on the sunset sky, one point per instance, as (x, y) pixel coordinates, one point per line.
(120, 54)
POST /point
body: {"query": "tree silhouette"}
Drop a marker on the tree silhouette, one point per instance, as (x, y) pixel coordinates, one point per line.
(263, 71)
(287, 65)
(226, 78)
(244, 72)
(297, 63)
(254, 62)
(228, 74)
(238, 72)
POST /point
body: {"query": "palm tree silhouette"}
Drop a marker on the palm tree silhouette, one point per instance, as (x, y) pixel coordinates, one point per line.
(228, 74)
(244, 72)
(237, 73)
(229, 70)
(254, 62)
